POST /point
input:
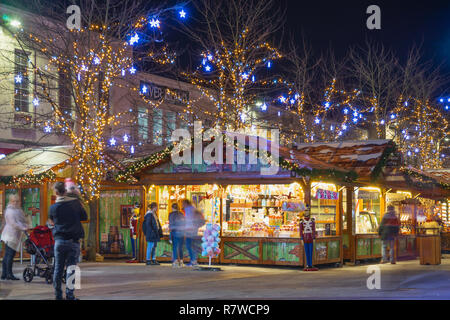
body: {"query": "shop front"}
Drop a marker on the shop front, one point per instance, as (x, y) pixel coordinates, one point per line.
(258, 214)
(259, 222)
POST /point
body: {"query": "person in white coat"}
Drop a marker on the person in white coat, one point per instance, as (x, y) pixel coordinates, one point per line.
(14, 224)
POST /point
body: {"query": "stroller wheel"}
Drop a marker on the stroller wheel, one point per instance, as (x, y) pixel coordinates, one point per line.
(28, 275)
(49, 277)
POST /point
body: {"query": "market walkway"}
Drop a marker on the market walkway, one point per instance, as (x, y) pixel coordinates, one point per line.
(118, 280)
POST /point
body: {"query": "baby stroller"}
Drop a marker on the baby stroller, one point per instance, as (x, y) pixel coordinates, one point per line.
(40, 244)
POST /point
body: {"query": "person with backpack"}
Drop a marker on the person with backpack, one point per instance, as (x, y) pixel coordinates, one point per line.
(176, 226)
(153, 233)
(194, 220)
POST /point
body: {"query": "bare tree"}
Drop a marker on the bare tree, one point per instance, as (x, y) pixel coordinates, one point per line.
(234, 39)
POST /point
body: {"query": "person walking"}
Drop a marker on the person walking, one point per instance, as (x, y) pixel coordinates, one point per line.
(66, 216)
(194, 220)
(388, 231)
(15, 223)
(177, 228)
(153, 233)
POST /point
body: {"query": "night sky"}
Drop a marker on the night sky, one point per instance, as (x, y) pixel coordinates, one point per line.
(340, 24)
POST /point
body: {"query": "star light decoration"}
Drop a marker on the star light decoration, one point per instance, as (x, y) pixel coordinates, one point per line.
(182, 14)
(154, 23)
(227, 77)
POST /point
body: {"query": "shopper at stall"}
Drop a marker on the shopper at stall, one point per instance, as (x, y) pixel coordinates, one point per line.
(177, 224)
(194, 220)
(388, 231)
(153, 233)
(15, 223)
(66, 216)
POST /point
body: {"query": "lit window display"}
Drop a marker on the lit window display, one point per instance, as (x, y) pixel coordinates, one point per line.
(405, 208)
(367, 210)
(205, 198)
(324, 204)
(262, 210)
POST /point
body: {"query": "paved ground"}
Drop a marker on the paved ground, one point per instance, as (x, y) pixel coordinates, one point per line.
(118, 280)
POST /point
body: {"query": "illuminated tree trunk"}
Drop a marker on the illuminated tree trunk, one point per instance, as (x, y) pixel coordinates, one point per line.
(92, 233)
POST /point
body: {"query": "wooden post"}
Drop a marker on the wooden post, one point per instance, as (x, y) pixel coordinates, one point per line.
(43, 204)
(351, 225)
(339, 226)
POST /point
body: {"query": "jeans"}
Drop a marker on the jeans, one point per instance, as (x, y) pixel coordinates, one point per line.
(67, 253)
(8, 259)
(191, 250)
(177, 248)
(309, 253)
(384, 246)
(133, 246)
(151, 250)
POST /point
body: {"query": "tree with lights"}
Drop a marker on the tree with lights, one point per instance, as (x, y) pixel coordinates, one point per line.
(317, 102)
(397, 100)
(88, 62)
(236, 59)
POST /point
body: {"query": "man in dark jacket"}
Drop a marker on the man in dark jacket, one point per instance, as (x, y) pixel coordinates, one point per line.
(153, 233)
(388, 231)
(66, 216)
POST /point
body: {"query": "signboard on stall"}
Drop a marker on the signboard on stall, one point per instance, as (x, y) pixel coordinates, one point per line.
(326, 194)
(368, 195)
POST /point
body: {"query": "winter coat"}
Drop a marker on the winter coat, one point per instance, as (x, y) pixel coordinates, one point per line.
(389, 227)
(151, 227)
(177, 223)
(67, 214)
(15, 223)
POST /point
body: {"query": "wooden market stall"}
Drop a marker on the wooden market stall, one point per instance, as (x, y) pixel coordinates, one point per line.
(382, 181)
(258, 214)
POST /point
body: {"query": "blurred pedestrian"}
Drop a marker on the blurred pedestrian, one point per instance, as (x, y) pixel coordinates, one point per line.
(153, 233)
(177, 228)
(194, 220)
(388, 231)
(15, 223)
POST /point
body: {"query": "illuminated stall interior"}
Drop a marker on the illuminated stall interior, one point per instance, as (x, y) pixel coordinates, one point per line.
(268, 210)
(368, 210)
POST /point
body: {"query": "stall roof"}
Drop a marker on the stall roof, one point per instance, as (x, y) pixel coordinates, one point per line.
(36, 160)
(39, 160)
(360, 156)
(300, 159)
(440, 174)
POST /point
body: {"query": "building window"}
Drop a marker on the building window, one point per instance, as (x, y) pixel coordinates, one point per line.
(157, 127)
(143, 124)
(21, 81)
(64, 95)
(171, 124)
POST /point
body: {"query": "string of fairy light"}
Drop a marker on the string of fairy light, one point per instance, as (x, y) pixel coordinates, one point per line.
(228, 79)
(91, 70)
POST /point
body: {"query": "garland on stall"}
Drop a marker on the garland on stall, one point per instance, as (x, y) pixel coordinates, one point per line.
(319, 174)
(28, 178)
(128, 175)
(424, 182)
(383, 161)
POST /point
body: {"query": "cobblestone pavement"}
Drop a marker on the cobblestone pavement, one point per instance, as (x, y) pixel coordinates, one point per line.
(119, 280)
